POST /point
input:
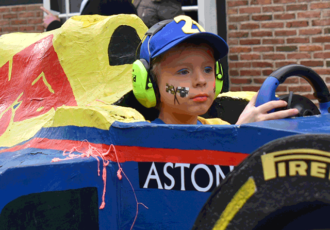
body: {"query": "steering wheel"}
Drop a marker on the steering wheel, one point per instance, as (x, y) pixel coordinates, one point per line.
(305, 106)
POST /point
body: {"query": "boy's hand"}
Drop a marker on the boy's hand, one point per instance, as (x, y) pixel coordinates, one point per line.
(254, 114)
(49, 17)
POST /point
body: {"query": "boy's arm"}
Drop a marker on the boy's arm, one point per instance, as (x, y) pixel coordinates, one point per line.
(254, 114)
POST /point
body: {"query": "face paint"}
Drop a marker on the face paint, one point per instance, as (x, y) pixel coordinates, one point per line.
(183, 91)
(210, 53)
(171, 89)
(214, 87)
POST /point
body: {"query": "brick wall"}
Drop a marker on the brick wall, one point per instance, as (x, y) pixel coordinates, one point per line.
(21, 18)
(264, 35)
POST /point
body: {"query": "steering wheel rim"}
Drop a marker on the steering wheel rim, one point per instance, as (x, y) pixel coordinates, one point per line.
(268, 88)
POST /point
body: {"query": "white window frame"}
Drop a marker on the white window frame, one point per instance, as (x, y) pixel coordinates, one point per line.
(207, 14)
(206, 9)
(67, 13)
(189, 8)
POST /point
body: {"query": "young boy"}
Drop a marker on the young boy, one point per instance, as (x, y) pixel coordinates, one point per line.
(179, 61)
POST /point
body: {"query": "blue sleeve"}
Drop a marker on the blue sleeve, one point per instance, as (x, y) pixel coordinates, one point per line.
(157, 121)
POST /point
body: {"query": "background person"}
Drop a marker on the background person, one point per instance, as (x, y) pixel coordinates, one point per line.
(90, 7)
(153, 11)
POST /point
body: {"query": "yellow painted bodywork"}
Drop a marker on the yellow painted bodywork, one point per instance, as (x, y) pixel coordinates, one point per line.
(81, 45)
(243, 95)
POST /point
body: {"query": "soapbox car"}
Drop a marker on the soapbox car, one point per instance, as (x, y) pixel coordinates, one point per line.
(76, 151)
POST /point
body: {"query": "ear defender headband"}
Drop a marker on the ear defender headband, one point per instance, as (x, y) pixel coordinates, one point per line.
(144, 86)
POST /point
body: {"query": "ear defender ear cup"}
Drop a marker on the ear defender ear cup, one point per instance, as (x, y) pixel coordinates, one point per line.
(142, 86)
(218, 79)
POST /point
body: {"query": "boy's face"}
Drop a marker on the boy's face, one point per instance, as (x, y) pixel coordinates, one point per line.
(186, 80)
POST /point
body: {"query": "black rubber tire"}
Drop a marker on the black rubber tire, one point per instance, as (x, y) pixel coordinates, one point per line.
(287, 202)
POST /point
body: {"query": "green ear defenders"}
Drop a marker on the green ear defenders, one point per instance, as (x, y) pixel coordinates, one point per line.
(218, 79)
(144, 87)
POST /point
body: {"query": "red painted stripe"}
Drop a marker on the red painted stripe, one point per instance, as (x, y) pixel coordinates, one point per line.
(139, 154)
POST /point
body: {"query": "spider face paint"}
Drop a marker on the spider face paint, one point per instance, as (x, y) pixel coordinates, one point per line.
(183, 91)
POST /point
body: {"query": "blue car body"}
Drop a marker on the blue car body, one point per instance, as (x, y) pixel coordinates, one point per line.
(28, 170)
